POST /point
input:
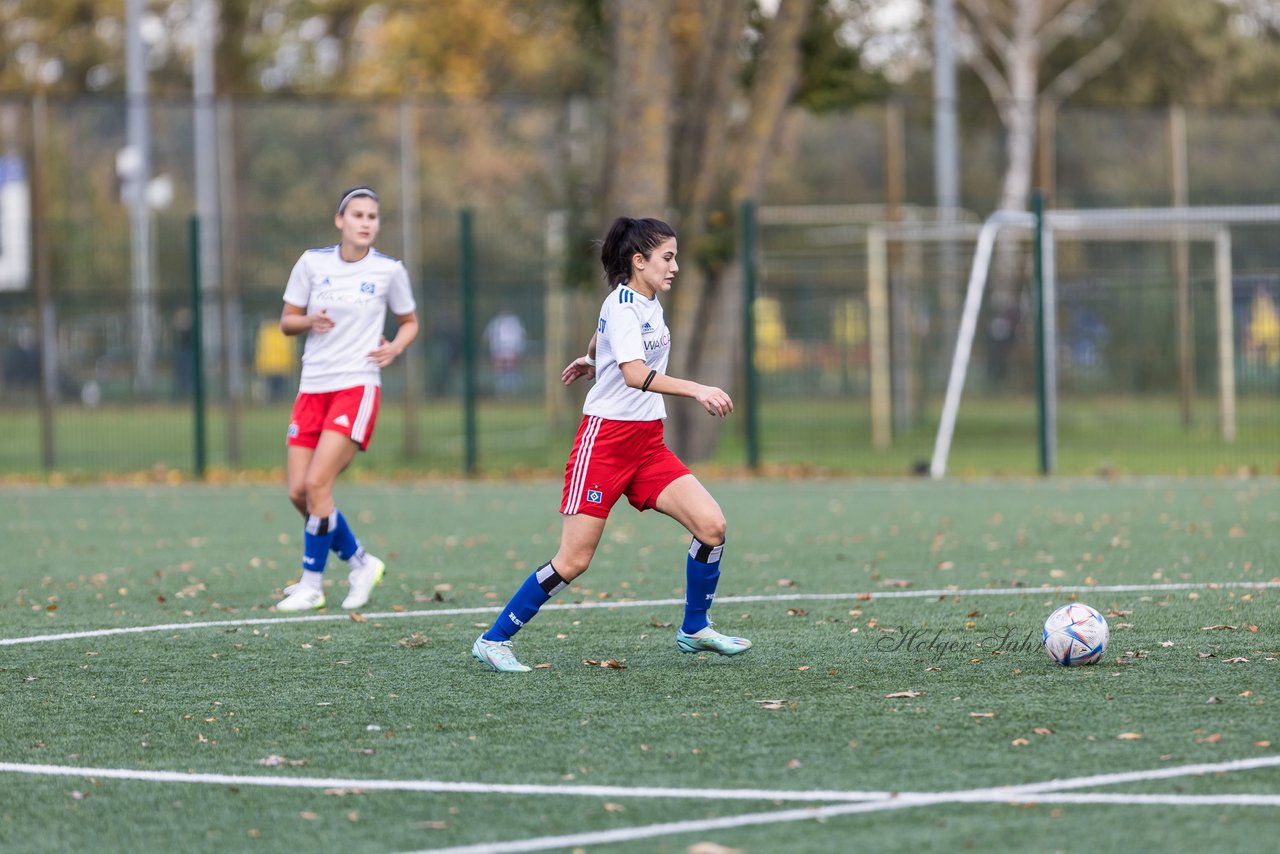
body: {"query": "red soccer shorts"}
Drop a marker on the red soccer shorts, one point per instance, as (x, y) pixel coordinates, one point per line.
(611, 459)
(351, 412)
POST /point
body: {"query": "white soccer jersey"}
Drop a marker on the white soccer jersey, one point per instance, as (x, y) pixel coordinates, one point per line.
(356, 296)
(631, 327)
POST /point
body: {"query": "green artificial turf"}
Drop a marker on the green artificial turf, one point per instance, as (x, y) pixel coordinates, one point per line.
(896, 650)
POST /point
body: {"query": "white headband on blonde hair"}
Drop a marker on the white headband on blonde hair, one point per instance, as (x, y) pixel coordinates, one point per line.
(355, 194)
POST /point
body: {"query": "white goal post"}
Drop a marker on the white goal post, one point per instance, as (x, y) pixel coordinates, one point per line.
(1163, 224)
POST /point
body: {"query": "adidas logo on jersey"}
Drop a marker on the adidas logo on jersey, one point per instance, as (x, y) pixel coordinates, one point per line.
(342, 420)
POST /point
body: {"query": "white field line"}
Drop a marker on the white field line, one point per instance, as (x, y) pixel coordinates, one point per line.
(654, 603)
(284, 782)
(865, 802)
(1030, 793)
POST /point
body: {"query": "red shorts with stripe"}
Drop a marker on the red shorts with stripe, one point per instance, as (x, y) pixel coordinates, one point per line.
(611, 459)
(350, 411)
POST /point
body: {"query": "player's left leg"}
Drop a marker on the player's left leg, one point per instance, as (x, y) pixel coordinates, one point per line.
(333, 453)
(579, 537)
(687, 501)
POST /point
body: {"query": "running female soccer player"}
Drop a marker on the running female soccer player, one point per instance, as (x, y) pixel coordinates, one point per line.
(339, 297)
(619, 448)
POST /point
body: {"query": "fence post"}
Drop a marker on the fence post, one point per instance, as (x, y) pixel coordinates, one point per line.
(46, 325)
(197, 350)
(747, 220)
(1037, 250)
(466, 281)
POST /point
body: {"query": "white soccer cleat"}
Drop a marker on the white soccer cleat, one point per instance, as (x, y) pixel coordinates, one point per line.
(300, 597)
(363, 581)
(497, 655)
(709, 640)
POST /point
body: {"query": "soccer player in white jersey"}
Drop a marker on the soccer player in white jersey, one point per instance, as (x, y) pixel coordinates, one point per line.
(338, 297)
(619, 450)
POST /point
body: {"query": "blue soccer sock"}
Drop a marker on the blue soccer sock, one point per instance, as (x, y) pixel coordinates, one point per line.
(702, 573)
(540, 586)
(317, 539)
(345, 543)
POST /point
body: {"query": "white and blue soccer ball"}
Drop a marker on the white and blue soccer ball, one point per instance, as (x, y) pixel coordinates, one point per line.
(1076, 634)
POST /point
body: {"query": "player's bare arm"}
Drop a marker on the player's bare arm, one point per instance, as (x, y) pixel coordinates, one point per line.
(714, 400)
(583, 366)
(294, 320)
(387, 351)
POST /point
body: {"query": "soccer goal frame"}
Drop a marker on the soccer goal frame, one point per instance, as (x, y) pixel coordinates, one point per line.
(1129, 224)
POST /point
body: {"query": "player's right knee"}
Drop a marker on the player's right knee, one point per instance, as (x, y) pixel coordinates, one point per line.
(711, 530)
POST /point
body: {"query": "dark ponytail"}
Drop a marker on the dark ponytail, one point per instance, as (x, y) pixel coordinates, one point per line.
(626, 237)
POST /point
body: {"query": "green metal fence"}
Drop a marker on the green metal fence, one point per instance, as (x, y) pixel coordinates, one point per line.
(832, 389)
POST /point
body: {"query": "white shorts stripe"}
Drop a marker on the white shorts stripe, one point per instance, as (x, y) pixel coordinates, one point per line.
(581, 462)
(363, 414)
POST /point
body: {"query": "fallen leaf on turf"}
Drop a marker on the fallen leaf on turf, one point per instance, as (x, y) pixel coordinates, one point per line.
(982, 714)
(657, 625)
(341, 791)
(433, 825)
(357, 617)
(608, 663)
(786, 582)
(1239, 659)
(794, 764)
(863, 597)
(895, 582)
(274, 761)
(612, 807)
(414, 641)
(1210, 739)
(711, 848)
(903, 694)
(1166, 644)
(1252, 628)
(1262, 744)
(1112, 612)
(309, 816)
(773, 705)
(1218, 628)
(797, 612)
(1212, 701)
(1245, 694)
(1130, 736)
(1206, 655)
(1019, 742)
(541, 666)
(803, 668)
(932, 669)
(1042, 730)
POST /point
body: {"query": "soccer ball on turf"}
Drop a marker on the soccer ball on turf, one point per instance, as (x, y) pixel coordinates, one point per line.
(1076, 634)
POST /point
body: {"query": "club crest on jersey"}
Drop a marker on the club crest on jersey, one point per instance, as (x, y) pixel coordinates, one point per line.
(366, 287)
(293, 430)
(595, 496)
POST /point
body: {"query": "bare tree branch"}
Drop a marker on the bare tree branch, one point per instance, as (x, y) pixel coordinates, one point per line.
(992, 77)
(1097, 60)
(1066, 22)
(979, 16)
